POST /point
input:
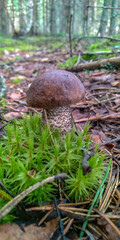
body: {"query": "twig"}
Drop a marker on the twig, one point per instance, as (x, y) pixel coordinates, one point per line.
(101, 53)
(44, 218)
(105, 143)
(60, 221)
(88, 104)
(105, 37)
(105, 7)
(11, 204)
(70, 39)
(108, 220)
(99, 117)
(66, 229)
(20, 207)
(5, 189)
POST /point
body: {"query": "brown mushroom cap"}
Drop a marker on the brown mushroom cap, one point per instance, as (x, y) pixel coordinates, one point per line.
(55, 89)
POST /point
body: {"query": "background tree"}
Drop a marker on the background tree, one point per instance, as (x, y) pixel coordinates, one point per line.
(35, 17)
(21, 17)
(85, 17)
(22, 24)
(104, 19)
(4, 26)
(113, 17)
(52, 17)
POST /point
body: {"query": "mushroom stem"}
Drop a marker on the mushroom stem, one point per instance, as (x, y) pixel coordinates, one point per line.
(60, 118)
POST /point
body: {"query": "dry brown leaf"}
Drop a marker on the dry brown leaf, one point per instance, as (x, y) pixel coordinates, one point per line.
(115, 83)
(12, 115)
(117, 101)
(15, 96)
(44, 60)
(112, 235)
(106, 78)
(30, 232)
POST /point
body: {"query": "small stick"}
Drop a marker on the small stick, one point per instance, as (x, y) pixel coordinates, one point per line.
(60, 221)
(70, 39)
(20, 206)
(109, 221)
(44, 218)
(66, 229)
(5, 189)
(104, 143)
(11, 204)
(99, 117)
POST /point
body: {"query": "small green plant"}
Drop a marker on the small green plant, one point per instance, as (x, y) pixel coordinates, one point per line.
(28, 155)
(2, 102)
(69, 62)
(109, 66)
(16, 80)
(2, 86)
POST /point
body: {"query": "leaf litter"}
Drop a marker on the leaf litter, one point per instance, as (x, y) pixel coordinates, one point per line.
(101, 107)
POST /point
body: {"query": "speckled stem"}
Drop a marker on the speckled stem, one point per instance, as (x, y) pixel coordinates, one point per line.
(60, 118)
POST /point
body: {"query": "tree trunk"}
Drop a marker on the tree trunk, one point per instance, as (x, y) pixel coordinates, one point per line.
(3, 18)
(52, 18)
(35, 23)
(104, 19)
(85, 18)
(13, 15)
(93, 20)
(29, 16)
(22, 23)
(113, 18)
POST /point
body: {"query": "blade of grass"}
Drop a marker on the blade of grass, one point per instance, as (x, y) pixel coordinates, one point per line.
(95, 199)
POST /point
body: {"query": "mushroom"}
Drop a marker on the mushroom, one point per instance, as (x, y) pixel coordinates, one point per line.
(55, 91)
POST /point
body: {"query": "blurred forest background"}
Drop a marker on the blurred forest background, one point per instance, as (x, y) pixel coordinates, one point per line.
(54, 17)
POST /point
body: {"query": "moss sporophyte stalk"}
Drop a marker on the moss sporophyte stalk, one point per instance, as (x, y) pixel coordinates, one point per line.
(28, 155)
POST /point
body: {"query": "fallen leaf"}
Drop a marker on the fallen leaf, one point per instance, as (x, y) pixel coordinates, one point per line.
(12, 115)
(106, 78)
(115, 83)
(32, 232)
(44, 60)
(15, 96)
(117, 101)
(112, 235)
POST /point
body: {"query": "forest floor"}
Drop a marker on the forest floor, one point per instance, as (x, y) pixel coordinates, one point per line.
(100, 107)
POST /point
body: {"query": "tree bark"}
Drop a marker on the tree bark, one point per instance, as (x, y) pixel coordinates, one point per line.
(29, 16)
(104, 19)
(22, 23)
(52, 18)
(35, 23)
(113, 18)
(3, 17)
(85, 18)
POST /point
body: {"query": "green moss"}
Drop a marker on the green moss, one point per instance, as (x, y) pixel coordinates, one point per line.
(104, 45)
(22, 45)
(27, 156)
(56, 44)
(29, 43)
(16, 80)
(2, 102)
(69, 62)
